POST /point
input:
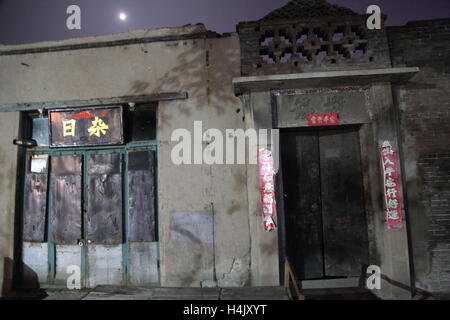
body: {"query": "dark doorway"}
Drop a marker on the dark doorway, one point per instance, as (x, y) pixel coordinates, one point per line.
(325, 225)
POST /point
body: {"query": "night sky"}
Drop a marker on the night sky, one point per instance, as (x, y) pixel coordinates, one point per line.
(26, 21)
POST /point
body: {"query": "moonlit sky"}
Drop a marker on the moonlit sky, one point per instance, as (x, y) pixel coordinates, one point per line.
(122, 16)
(27, 21)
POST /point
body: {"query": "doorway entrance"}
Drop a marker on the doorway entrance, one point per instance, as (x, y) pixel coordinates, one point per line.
(325, 225)
(91, 212)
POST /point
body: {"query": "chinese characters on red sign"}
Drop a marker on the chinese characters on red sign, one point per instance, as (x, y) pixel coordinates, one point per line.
(391, 187)
(86, 127)
(328, 119)
(267, 188)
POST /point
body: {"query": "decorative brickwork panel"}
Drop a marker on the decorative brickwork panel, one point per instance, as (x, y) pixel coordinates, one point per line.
(306, 46)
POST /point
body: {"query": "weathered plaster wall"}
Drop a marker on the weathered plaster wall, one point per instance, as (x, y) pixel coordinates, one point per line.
(100, 72)
(424, 106)
(204, 68)
(194, 187)
(9, 124)
(264, 245)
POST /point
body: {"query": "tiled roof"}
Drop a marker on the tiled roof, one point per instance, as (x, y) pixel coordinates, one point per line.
(298, 9)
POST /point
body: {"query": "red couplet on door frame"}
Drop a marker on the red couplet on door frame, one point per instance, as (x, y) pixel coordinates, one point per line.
(394, 217)
(267, 188)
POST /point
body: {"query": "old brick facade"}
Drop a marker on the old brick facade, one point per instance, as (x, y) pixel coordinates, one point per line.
(424, 105)
(314, 36)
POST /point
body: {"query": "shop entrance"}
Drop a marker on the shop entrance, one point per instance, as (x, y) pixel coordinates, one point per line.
(325, 225)
(89, 213)
(100, 217)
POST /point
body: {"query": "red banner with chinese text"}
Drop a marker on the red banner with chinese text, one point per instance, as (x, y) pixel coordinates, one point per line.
(394, 217)
(328, 119)
(267, 188)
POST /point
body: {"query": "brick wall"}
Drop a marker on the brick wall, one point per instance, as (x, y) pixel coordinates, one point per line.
(434, 171)
(424, 105)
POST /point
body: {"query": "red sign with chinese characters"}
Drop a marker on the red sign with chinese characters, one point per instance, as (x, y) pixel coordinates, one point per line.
(86, 127)
(327, 119)
(391, 187)
(267, 188)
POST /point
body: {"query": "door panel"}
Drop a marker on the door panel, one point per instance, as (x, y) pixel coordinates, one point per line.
(105, 265)
(104, 219)
(66, 255)
(66, 199)
(326, 231)
(143, 248)
(35, 263)
(301, 174)
(141, 196)
(344, 225)
(86, 212)
(104, 209)
(34, 211)
(143, 263)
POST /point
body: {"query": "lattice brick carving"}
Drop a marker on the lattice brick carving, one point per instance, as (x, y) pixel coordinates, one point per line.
(302, 44)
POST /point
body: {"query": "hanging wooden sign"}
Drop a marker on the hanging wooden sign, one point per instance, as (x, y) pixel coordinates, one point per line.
(394, 217)
(86, 127)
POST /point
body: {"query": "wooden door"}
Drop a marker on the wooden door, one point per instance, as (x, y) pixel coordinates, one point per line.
(326, 232)
(344, 224)
(303, 221)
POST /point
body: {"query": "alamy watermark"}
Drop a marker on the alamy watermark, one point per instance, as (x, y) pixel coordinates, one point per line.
(229, 146)
(374, 20)
(74, 278)
(73, 22)
(374, 280)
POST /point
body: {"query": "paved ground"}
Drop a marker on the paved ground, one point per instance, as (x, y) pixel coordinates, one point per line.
(156, 293)
(160, 293)
(339, 294)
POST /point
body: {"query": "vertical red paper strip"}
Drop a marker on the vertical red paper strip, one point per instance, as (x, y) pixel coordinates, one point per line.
(267, 188)
(392, 197)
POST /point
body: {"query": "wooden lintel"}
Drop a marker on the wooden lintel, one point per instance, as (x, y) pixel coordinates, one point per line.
(94, 102)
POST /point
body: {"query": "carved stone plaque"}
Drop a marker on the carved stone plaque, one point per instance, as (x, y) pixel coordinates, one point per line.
(293, 109)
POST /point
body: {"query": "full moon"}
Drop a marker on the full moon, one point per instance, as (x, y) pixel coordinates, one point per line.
(122, 16)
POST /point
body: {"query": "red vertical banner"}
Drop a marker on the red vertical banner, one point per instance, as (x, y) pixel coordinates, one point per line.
(394, 217)
(267, 188)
